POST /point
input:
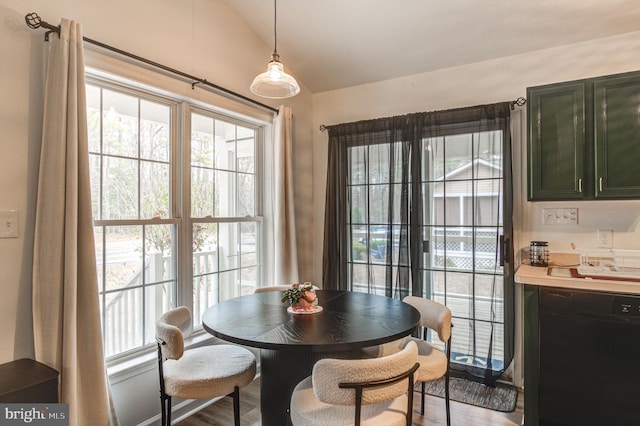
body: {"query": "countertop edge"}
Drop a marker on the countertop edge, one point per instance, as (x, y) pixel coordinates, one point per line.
(536, 275)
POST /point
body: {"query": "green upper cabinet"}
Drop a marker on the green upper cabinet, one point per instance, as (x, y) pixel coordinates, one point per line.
(617, 136)
(556, 141)
(584, 139)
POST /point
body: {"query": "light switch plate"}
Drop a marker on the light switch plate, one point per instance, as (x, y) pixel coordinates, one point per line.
(560, 216)
(9, 225)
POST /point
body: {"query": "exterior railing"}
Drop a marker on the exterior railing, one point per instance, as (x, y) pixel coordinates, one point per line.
(131, 313)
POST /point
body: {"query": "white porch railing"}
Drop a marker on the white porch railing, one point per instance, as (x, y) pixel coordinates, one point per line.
(131, 312)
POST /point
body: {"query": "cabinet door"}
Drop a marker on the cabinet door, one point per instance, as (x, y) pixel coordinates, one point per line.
(556, 124)
(617, 136)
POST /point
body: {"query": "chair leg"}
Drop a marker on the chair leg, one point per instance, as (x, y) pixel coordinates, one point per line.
(446, 398)
(164, 411)
(422, 399)
(236, 406)
(165, 403)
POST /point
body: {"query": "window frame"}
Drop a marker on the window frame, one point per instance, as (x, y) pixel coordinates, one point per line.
(180, 194)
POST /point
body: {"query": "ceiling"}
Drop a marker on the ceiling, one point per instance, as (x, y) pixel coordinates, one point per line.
(332, 44)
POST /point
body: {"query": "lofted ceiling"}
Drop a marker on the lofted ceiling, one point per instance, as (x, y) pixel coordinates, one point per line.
(332, 44)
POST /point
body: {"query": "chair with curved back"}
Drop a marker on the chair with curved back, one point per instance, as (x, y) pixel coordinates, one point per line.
(200, 373)
(376, 391)
(434, 363)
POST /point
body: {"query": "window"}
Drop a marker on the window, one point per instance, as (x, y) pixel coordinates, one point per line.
(176, 206)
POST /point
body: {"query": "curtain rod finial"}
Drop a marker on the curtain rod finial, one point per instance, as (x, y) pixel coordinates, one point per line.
(33, 20)
(520, 102)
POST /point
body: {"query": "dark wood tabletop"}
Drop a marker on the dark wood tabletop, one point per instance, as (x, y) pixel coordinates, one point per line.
(291, 343)
(348, 321)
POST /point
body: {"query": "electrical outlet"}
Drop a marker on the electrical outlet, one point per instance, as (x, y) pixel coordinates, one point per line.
(604, 238)
(562, 216)
(9, 224)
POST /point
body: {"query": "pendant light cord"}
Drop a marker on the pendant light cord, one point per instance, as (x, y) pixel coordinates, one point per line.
(275, 27)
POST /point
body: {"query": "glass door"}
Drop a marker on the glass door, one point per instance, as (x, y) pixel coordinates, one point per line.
(462, 184)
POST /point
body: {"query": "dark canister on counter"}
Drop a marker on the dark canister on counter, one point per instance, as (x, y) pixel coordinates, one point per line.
(539, 253)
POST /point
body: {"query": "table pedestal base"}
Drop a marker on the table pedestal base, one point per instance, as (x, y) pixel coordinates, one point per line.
(281, 371)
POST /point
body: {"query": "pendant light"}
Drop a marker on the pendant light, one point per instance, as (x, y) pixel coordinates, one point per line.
(275, 83)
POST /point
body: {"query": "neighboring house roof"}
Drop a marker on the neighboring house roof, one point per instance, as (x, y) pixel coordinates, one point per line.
(459, 181)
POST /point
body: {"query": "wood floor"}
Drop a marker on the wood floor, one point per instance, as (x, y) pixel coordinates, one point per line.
(221, 412)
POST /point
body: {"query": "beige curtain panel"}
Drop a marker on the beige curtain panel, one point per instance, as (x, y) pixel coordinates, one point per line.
(66, 314)
(286, 247)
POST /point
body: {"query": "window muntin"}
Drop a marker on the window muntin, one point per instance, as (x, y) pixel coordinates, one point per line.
(137, 204)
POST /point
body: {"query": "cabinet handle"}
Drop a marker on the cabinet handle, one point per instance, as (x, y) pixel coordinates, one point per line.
(601, 184)
(580, 185)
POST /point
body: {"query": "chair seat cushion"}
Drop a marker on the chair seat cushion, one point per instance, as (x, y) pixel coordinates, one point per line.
(209, 371)
(308, 410)
(433, 362)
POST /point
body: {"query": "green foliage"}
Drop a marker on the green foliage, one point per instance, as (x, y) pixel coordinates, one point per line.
(356, 215)
(358, 250)
(295, 293)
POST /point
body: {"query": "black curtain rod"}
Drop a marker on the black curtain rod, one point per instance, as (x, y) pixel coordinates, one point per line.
(34, 21)
(519, 102)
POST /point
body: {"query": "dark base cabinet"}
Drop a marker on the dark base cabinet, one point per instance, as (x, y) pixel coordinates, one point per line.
(582, 353)
(28, 381)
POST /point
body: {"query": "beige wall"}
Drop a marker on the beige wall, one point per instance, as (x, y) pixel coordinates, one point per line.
(481, 83)
(204, 38)
(497, 80)
(200, 37)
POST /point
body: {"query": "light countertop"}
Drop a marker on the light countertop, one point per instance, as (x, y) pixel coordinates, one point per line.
(536, 275)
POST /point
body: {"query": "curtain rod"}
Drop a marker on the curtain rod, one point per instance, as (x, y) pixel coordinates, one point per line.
(519, 102)
(34, 21)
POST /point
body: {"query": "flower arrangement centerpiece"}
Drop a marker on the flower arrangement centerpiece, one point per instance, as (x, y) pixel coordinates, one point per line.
(301, 297)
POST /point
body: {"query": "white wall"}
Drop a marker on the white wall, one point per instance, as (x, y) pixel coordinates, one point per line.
(199, 37)
(503, 79)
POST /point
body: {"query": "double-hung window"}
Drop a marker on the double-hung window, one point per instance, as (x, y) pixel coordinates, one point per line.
(176, 204)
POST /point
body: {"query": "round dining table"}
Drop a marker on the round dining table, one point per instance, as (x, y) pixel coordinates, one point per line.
(291, 343)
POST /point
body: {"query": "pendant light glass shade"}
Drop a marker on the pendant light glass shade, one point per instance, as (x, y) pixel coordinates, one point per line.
(275, 83)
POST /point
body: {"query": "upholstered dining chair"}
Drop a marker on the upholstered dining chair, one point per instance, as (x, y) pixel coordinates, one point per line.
(434, 363)
(377, 391)
(199, 373)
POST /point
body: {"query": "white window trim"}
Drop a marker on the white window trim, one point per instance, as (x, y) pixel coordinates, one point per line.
(105, 68)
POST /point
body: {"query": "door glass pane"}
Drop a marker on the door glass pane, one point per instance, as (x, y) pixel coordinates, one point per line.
(463, 212)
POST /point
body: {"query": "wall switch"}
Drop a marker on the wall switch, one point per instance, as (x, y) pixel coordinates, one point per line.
(604, 238)
(561, 216)
(9, 226)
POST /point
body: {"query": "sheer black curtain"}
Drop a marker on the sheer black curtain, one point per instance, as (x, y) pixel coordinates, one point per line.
(383, 228)
(392, 141)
